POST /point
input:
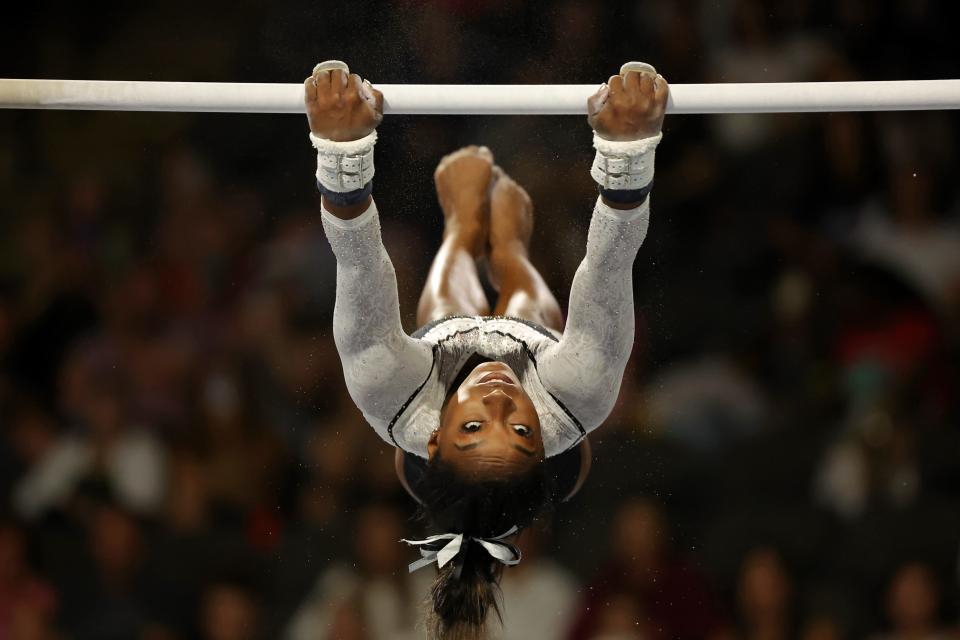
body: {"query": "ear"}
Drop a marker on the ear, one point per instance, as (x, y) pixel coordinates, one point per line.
(433, 443)
(586, 461)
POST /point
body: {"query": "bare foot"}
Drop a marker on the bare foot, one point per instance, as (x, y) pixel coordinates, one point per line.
(511, 220)
(463, 188)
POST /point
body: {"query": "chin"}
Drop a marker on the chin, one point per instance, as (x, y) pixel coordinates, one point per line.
(493, 366)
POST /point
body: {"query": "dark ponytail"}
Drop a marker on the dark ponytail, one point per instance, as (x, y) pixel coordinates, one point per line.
(467, 588)
(460, 603)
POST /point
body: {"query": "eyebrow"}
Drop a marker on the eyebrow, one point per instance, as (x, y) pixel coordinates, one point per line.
(528, 452)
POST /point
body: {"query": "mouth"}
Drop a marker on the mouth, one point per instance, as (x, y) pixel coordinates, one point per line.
(495, 377)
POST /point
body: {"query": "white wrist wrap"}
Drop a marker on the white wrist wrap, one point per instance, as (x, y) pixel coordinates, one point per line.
(624, 164)
(344, 166)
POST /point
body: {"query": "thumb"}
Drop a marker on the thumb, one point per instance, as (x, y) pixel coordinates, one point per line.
(597, 100)
(372, 96)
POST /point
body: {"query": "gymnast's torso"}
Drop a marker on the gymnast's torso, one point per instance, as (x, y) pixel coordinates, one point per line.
(457, 341)
(400, 381)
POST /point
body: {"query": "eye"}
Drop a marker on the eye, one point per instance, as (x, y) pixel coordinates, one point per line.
(523, 430)
(471, 427)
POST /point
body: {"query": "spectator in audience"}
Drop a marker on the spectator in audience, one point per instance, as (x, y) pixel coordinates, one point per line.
(765, 597)
(539, 597)
(27, 603)
(707, 405)
(105, 448)
(379, 596)
(647, 578)
(623, 618)
(183, 551)
(111, 601)
(230, 611)
(913, 605)
(242, 458)
(822, 628)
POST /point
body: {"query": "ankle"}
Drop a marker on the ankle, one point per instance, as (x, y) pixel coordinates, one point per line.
(469, 238)
(463, 225)
(508, 253)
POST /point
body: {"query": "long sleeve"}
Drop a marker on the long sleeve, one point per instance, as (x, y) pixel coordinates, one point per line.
(585, 368)
(382, 365)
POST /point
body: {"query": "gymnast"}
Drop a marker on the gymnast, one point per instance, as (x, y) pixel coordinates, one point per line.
(483, 397)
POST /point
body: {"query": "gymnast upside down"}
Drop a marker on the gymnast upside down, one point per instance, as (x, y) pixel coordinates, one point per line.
(483, 395)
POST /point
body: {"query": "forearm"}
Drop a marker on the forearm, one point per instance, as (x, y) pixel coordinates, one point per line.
(586, 367)
(601, 296)
(367, 302)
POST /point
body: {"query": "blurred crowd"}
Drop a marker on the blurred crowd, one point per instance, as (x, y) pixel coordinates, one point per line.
(178, 456)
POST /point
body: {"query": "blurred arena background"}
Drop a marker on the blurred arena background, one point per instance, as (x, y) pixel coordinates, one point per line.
(178, 455)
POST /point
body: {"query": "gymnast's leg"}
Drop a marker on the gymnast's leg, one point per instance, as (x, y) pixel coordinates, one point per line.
(453, 285)
(523, 292)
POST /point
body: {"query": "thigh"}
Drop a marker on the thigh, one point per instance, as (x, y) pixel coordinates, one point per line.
(524, 293)
(432, 308)
(452, 288)
(541, 309)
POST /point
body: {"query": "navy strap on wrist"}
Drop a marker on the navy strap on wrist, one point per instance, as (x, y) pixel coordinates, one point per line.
(346, 198)
(627, 196)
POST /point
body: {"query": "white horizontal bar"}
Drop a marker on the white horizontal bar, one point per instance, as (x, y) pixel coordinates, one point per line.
(478, 99)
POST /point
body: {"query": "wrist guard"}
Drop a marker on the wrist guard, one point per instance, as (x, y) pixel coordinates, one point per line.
(626, 164)
(344, 166)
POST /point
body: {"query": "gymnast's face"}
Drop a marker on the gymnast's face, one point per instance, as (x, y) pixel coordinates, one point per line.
(489, 426)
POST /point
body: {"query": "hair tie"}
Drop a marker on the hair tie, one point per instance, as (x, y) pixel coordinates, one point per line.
(444, 547)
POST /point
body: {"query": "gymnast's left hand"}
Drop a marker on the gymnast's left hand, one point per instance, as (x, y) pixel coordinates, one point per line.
(630, 106)
(341, 107)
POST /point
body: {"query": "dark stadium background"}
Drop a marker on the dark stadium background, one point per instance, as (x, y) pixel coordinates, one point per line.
(178, 455)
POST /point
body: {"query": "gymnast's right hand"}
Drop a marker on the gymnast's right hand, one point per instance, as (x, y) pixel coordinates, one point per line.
(629, 106)
(341, 107)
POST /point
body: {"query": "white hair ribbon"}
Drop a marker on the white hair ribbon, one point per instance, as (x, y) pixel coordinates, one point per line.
(432, 550)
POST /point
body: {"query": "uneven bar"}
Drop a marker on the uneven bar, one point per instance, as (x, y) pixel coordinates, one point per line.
(478, 99)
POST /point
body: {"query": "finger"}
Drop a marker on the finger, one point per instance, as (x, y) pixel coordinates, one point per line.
(378, 96)
(661, 89)
(616, 85)
(338, 81)
(352, 91)
(366, 91)
(322, 78)
(469, 150)
(597, 100)
(631, 80)
(484, 152)
(310, 89)
(646, 84)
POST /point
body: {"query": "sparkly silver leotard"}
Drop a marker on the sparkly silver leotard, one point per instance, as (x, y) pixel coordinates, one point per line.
(399, 382)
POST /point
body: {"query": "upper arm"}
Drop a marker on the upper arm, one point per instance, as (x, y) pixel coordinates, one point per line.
(381, 377)
(585, 373)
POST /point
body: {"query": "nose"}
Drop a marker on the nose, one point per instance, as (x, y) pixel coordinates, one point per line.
(499, 400)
